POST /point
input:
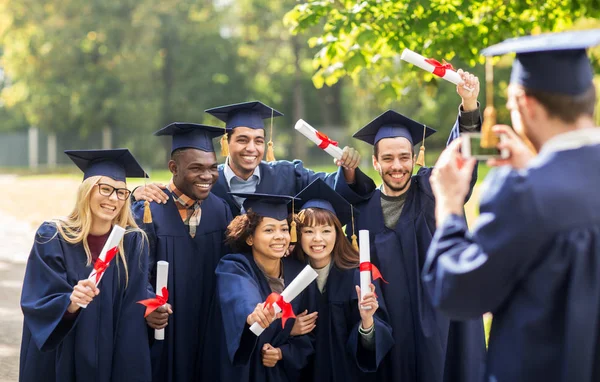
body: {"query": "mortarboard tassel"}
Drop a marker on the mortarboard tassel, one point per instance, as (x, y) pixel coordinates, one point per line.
(147, 218)
(488, 138)
(353, 237)
(293, 231)
(421, 156)
(270, 152)
(224, 145)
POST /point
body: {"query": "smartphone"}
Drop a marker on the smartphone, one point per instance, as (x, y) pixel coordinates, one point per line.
(471, 148)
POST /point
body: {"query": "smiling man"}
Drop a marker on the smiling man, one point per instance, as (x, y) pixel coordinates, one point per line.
(188, 232)
(401, 223)
(245, 171)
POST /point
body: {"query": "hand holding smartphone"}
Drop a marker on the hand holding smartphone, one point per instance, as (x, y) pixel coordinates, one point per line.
(471, 148)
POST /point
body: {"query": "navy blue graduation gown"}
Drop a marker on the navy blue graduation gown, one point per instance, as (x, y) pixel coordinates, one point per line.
(533, 259)
(289, 178)
(106, 342)
(339, 354)
(191, 284)
(240, 286)
(428, 346)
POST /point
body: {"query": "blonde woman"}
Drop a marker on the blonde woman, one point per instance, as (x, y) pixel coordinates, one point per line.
(107, 341)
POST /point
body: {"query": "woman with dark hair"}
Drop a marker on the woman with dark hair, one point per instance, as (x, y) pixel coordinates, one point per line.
(351, 340)
(107, 341)
(259, 267)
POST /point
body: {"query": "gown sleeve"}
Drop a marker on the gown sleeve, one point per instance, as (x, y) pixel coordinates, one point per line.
(468, 274)
(46, 291)
(238, 294)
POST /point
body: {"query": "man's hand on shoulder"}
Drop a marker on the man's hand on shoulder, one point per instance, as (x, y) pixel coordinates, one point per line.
(152, 192)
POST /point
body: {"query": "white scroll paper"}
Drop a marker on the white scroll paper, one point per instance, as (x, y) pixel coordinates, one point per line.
(162, 277)
(420, 61)
(113, 241)
(297, 285)
(365, 257)
(311, 133)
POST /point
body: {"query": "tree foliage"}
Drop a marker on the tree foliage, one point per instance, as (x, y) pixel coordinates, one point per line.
(367, 36)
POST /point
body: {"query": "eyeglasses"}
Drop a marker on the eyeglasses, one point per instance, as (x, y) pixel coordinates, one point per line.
(107, 190)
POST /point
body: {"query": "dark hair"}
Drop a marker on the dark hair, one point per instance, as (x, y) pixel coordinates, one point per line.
(344, 255)
(240, 229)
(567, 108)
(376, 150)
(177, 153)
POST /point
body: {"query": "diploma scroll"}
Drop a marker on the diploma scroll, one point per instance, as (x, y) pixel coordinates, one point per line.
(297, 285)
(109, 251)
(365, 258)
(444, 70)
(319, 139)
(162, 277)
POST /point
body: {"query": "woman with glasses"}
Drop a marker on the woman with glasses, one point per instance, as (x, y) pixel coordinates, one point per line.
(106, 341)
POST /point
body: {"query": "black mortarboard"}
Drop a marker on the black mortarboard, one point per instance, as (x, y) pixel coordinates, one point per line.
(247, 114)
(191, 135)
(551, 62)
(117, 164)
(266, 205)
(319, 195)
(391, 125)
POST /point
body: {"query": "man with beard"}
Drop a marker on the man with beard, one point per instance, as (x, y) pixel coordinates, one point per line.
(400, 219)
(244, 170)
(533, 258)
(188, 232)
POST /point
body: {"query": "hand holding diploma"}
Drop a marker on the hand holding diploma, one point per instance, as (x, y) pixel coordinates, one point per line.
(443, 70)
(109, 251)
(323, 141)
(367, 269)
(367, 306)
(266, 313)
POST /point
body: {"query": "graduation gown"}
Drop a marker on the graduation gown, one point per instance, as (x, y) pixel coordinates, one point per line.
(240, 286)
(289, 178)
(339, 354)
(428, 346)
(533, 260)
(106, 342)
(191, 284)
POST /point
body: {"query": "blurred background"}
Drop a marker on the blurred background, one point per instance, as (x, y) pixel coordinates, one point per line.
(78, 74)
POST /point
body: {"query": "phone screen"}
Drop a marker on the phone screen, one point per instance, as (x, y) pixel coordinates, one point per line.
(471, 148)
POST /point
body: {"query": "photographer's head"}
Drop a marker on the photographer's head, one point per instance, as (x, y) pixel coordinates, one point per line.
(393, 137)
(551, 89)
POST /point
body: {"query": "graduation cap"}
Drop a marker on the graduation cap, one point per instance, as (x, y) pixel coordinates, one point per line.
(551, 62)
(320, 195)
(191, 135)
(117, 164)
(265, 205)
(246, 114)
(391, 124)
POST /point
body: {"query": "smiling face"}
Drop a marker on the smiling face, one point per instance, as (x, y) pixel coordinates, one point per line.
(194, 172)
(105, 209)
(271, 239)
(394, 163)
(317, 243)
(246, 150)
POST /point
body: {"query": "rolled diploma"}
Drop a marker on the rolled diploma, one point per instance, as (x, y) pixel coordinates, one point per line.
(297, 285)
(311, 133)
(113, 240)
(418, 60)
(162, 277)
(365, 257)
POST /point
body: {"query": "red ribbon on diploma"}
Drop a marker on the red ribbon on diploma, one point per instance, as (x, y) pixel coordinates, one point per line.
(439, 68)
(325, 140)
(368, 266)
(100, 266)
(286, 307)
(152, 304)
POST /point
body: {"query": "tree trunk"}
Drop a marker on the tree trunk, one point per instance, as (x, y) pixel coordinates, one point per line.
(33, 147)
(51, 150)
(299, 148)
